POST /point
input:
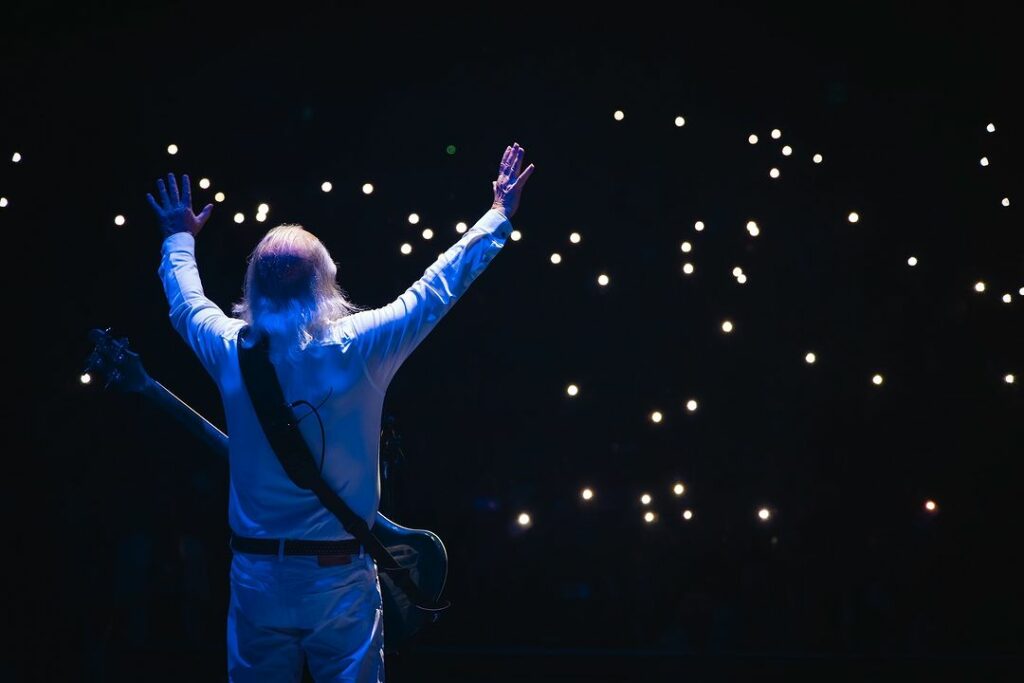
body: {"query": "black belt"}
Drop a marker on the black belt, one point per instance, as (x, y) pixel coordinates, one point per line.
(271, 546)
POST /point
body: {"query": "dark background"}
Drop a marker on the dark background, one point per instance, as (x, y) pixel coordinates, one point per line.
(119, 518)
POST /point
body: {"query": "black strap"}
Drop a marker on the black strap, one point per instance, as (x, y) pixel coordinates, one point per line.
(281, 429)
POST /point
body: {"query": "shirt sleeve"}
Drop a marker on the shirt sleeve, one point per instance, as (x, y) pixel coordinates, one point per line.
(200, 322)
(386, 336)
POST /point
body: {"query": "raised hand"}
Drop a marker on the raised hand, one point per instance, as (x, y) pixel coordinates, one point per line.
(510, 183)
(175, 212)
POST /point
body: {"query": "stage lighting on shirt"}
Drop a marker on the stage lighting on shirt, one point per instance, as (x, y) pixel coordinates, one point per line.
(461, 227)
(818, 158)
(523, 519)
(787, 150)
(727, 326)
(752, 139)
(16, 157)
(172, 149)
(556, 258)
(427, 233)
(764, 514)
(118, 219)
(931, 506)
(774, 173)
(656, 417)
(776, 134)
(687, 515)
(1006, 201)
(853, 217)
(619, 115)
(645, 499)
(515, 235)
(239, 217)
(979, 286)
(877, 380)
(326, 186)
(680, 122)
(912, 261)
(575, 238)
(649, 517)
(688, 268)
(984, 161)
(219, 197)
(753, 229)
(811, 358)
(572, 390)
(602, 280)
(686, 247)
(699, 226)
(587, 494)
(1007, 298)
(204, 183)
(406, 248)
(691, 405)
(678, 488)
(1009, 379)
(85, 378)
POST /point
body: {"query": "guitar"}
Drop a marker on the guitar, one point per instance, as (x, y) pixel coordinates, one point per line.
(418, 549)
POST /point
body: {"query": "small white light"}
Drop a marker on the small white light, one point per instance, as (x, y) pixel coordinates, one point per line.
(326, 186)
(204, 183)
(818, 158)
(991, 128)
(877, 380)
(406, 248)
(787, 151)
(688, 268)
(648, 517)
(16, 157)
(427, 233)
(912, 261)
(367, 188)
(85, 378)
(261, 217)
(764, 514)
(586, 494)
(572, 390)
(776, 134)
(1010, 379)
(774, 173)
(727, 327)
(984, 161)
(516, 235)
(219, 197)
(737, 271)
(680, 122)
(656, 417)
(119, 220)
(679, 489)
(1007, 298)
(686, 247)
(979, 286)
(172, 149)
(753, 229)
(414, 218)
(575, 238)
(619, 115)
(524, 519)
(1006, 201)
(691, 405)
(239, 217)
(687, 515)
(930, 506)
(556, 258)
(3, 202)
(645, 499)
(263, 208)
(752, 139)
(461, 227)
(699, 226)
(741, 278)
(810, 358)
(853, 217)
(602, 280)
(1021, 291)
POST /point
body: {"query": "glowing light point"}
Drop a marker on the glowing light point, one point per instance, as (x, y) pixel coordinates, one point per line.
(461, 227)
(877, 380)
(575, 238)
(619, 115)
(853, 217)
(427, 233)
(984, 161)
(556, 258)
(1006, 201)
(727, 326)
(656, 417)
(586, 494)
(1010, 379)
(979, 286)
(764, 514)
(741, 278)
(3, 202)
(85, 378)
(679, 489)
(691, 405)
(810, 358)
(326, 186)
(787, 151)
(930, 506)
(239, 217)
(680, 122)
(414, 218)
(687, 515)
(172, 149)
(699, 226)
(649, 517)
(645, 499)
(752, 139)
(776, 134)
(753, 229)
(204, 183)
(523, 519)
(263, 208)
(688, 268)
(219, 197)
(406, 248)
(912, 261)
(516, 235)
(774, 173)
(1007, 298)
(572, 390)
(686, 247)
(602, 280)
(367, 188)
(16, 157)
(737, 271)
(261, 217)
(818, 158)
(119, 220)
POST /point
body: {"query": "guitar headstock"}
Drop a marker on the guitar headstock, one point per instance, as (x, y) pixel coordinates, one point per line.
(118, 365)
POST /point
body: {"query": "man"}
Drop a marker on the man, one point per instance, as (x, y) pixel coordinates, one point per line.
(339, 360)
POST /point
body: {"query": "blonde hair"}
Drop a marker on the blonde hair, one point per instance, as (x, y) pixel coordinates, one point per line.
(290, 291)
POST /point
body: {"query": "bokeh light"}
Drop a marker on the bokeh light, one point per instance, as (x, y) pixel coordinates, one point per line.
(691, 405)
(204, 183)
(587, 494)
(572, 390)
(172, 149)
(406, 248)
(602, 280)
(727, 326)
(575, 238)
(688, 268)
(414, 218)
(811, 358)
(877, 380)
(556, 258)
(645, 499)
(515, 235)
(619, 115)
(427, 233)
(680, 122)
(699, 226)
(219, 197)
(678, 488)
(461, 227)
(239, 217)
(656, 417)
(367, 188)
(119, 220)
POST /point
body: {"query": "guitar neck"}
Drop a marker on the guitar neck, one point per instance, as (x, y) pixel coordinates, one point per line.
(196, 424)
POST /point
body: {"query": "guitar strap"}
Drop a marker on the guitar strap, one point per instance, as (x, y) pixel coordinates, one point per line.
(281, 429)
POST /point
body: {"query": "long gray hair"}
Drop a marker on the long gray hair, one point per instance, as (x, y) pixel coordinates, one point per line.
(290, 292)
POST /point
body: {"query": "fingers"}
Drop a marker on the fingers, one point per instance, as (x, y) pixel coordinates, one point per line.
(173, 188)
(186, 192)
(204, 215)
(517, 158)
(163, 194)
(521, 182)
(152, 202)
(504, 160)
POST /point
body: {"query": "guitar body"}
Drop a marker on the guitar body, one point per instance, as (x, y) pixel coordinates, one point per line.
(419, 550)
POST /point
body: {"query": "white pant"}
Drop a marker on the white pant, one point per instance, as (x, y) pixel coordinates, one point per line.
(286, 608)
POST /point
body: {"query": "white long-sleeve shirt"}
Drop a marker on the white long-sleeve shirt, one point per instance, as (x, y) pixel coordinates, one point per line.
(355, 366)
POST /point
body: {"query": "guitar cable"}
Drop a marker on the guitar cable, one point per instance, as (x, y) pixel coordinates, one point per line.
(315, 410)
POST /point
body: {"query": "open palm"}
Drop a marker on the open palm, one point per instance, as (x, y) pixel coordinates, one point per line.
(174, 211)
